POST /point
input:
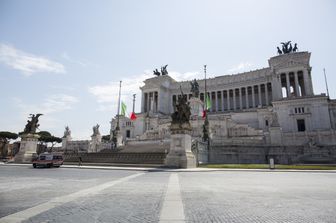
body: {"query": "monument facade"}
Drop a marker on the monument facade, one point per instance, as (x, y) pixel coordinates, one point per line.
(272, 106)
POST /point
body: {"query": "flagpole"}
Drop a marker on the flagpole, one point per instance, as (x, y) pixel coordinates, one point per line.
(118, 128)
(205, 89)
(133, 102)
(325, 79)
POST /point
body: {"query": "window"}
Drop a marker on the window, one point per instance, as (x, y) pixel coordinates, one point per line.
(301, 125)
(299, 110)
(128, 133)
(266, 122)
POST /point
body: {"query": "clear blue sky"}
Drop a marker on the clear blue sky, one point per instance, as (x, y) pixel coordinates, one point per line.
(64, 58)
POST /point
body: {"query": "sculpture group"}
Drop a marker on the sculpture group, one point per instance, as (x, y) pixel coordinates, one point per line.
(287, 48)
(163, 71)
(182, 111)
(194, 88)
(32, 124)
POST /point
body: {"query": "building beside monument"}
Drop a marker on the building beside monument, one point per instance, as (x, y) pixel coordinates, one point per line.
(273, 109)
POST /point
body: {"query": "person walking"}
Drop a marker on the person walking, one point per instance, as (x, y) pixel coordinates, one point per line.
(79, 161)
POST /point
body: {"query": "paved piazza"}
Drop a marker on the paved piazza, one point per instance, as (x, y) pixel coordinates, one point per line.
(156, 195)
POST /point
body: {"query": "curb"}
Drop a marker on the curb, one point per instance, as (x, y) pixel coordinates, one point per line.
(162, 169)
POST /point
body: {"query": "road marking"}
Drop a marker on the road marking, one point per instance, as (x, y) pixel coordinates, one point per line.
(172, 208)
(30, 212)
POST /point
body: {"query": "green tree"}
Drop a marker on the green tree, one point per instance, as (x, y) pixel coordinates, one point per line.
(46, 137)
(5, 137)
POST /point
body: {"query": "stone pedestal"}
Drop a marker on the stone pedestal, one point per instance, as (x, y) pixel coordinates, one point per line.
(95, 143)
(28, 146)
(275, 135)
(119, 139)
(180, 154)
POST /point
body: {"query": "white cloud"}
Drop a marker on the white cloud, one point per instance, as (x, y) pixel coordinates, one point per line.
(107, 94)
(240, 67)
(52, 104)
(26, 62)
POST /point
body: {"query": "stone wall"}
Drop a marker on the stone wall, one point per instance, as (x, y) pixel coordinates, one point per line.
(122, 158)
(259, 154)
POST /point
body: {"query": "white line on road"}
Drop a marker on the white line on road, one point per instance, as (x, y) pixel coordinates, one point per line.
(172, 208)
(30, 212)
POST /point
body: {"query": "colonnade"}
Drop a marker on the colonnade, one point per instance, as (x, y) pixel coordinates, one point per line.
(150, 100)
(294, 84)
(238, 98)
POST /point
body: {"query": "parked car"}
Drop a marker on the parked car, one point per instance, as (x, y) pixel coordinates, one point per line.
(48, 160)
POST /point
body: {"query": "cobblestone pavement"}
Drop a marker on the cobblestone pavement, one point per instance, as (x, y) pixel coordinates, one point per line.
(259, 197)
(212, 196)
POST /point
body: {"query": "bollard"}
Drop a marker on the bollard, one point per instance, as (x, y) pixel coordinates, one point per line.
(271, 164)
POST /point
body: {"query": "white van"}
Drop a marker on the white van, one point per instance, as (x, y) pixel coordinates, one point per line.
(48, 160)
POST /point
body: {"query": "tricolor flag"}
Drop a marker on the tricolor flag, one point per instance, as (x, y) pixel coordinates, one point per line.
(207, 102)
(133, 116)
(207, 106)
(123, 108)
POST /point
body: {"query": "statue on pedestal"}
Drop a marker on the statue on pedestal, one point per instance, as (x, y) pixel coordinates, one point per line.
(287, 48)
(95, 130)
(67, 132)
(194, 88)
(182, 112)
(163, 71)
(32, 124)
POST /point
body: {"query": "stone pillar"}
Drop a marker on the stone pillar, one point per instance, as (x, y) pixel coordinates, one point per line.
(180, 154)
(143, 102)
(222, 95)
(288, 85)
(246, 96)
(95, 143)
(234, 99)
(120, 141)
(211, 102)
(296, 83)
(148, 102)
(28, 146)
(259, 95)
(253, 97)
(275, 135)
(266, 94)
(228, 100)
(240, 99)
(216, 98)
(307, 83)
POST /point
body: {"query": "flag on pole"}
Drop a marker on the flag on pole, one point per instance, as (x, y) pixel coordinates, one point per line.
(207, 106)
(123, 108)
(133, 116)
(204, 114)
(207, 103)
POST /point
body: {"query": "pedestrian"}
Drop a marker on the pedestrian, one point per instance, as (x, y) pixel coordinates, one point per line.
(79, 161)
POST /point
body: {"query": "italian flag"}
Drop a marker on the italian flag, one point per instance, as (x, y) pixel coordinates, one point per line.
(124, 112)
(207, 106)
(123, 108)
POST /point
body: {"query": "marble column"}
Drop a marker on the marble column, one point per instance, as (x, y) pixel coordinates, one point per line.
(288, 85)
(259, 95)
(222, 94)
(234, 99)
(253, 97)
(228, 99)
(240, 99)
(266, 94)
(216, 98)
(211, 102)
(296, 82)
(148, 102)
(246, 96)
